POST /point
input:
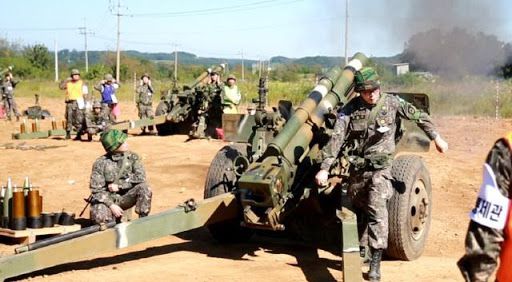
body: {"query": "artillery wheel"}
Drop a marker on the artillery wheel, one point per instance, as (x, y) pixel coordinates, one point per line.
(410, 208)
(164, 128)
(221, 179)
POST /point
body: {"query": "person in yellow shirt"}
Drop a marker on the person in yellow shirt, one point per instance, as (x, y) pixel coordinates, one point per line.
(231, 96)
(76, 89)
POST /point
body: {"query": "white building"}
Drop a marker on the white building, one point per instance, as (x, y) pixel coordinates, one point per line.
(400, 69)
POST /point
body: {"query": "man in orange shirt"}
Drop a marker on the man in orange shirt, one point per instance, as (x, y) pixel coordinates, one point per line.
(75, 103)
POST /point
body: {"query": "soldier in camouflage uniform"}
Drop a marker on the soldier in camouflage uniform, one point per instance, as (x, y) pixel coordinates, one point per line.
(7, 88)
(118, 181)
(489, 233)
(145, 101)
(215, 96)
(97, 120)
(369, 122)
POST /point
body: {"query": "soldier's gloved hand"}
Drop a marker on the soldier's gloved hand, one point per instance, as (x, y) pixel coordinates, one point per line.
(321, 177)
(441, 145)
(117, 211)
(112, 187)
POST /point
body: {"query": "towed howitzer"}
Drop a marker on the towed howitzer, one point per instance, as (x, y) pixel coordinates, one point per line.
(271, 169)
(185, 109)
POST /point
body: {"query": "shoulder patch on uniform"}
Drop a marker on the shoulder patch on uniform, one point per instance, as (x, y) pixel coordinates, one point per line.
(491, 207)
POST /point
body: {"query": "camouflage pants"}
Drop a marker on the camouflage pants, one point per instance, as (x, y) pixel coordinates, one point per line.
(139, 196)
(146, 111)
(198, 128)
(370, 192)
(107, 109)
(74, 116)
(10, 105)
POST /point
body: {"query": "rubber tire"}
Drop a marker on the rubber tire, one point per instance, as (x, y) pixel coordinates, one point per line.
(406, 171)
(164, 128)
(221, 179)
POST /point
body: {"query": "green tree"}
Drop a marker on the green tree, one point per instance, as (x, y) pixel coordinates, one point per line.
(38, 56)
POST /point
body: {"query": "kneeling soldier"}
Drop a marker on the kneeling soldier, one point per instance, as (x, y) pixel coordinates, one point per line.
(118, 181)
(97, 121)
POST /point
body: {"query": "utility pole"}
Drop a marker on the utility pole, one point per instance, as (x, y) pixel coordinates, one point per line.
(118, 58)
(243, 66)
(83, 30)
(346, 32)
(56, 60)
(175, 61)
(260, 66)
(497, 113)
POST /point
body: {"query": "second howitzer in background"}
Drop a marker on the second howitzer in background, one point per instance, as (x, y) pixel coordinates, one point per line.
(187, 111)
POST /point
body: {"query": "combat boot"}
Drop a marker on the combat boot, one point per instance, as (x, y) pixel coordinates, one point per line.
(78, 136)
(364, 253)
(374, 273)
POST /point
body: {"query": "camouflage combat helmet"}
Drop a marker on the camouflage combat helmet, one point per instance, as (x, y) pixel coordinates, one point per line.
(231, 76)
(108, 77)
(366, 79)
(145, 75)
(75, 71)
(112, 139)
(96, 104)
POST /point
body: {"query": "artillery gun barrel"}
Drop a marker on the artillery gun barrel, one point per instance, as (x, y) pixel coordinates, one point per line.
(203, 75)
(330, 91)
(6, 70)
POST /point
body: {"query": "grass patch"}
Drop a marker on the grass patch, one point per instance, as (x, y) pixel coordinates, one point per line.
(470, 96)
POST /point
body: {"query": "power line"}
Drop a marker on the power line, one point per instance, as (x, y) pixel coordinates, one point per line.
(217, 10)
(40, 28)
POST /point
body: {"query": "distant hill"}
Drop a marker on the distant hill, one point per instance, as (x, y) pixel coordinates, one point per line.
(72, 56)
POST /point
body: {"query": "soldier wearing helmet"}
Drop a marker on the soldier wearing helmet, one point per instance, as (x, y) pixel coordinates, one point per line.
(214, 93)
(76, 91)
(97, 120)
(7, 90)
(118, 181)
(108, 88)
(145, 100)
(368, 123)
(231, 96)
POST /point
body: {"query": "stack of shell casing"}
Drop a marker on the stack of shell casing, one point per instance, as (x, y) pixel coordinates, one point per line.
(21, 208)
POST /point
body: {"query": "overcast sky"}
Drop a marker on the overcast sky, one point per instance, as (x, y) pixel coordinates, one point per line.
(259, 28)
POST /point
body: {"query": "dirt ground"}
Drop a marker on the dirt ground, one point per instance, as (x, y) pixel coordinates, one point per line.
(176, 171)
